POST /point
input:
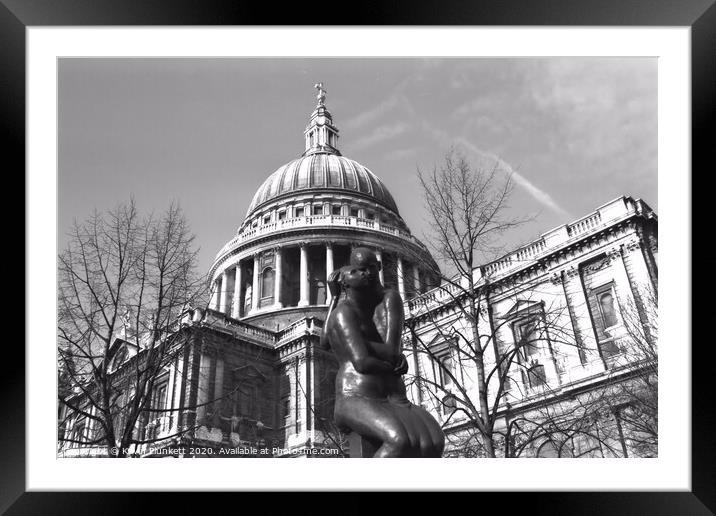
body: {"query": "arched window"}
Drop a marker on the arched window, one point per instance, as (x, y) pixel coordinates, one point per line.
(267, 285)
(548, 450)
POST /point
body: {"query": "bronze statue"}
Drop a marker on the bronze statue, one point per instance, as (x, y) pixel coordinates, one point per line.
(364, 330)
(321, 97)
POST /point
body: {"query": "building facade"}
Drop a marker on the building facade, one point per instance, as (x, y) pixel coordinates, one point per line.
(568, 327)
(247, 372)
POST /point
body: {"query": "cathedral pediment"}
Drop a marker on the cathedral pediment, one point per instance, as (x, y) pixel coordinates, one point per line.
(523, 307)
(249, 372)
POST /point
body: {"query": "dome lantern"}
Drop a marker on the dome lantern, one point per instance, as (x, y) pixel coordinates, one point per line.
(321, 135)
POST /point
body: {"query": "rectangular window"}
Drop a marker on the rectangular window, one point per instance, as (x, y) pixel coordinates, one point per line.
(247, 398)
(369, 215)
(606, 307)
(527, 338)
(267, 219)
(533, 351)
(449, 405)
(160, 398)
(282, 215)
(299, 212)
(318, 210)
(445, 369)
(354, 212)
(537, 376)
(336, 209)
(603, 306)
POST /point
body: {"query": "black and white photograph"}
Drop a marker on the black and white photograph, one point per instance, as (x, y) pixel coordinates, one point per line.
(357, 257)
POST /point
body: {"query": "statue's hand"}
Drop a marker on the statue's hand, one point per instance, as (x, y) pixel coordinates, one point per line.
(334, 283)
(402, 367)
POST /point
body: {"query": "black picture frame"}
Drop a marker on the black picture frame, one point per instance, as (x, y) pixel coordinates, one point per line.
(700, 15)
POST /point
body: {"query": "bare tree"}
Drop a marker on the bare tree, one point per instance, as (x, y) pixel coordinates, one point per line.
(467, 209)
(123, 282)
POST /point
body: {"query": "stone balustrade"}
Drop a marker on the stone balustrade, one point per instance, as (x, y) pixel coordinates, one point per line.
(584, 224)
(606, 215)
(306, 326)
(316, 221)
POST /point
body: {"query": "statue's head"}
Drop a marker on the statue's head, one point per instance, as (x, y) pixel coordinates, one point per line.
(363, 269)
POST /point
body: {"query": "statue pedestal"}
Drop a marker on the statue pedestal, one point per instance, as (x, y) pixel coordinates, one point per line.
(360, 448)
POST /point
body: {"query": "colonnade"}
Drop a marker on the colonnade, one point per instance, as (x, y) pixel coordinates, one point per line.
(230, 301)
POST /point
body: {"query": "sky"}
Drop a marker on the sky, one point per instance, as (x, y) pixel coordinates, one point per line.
(574, 133)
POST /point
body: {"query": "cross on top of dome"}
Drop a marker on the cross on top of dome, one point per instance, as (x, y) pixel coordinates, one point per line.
(321, 135)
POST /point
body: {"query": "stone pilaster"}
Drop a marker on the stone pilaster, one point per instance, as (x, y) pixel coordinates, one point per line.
(203, 395)
(579, 308)
(178, 390)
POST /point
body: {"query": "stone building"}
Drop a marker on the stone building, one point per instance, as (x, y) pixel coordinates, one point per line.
(577, 310)
(247, 372)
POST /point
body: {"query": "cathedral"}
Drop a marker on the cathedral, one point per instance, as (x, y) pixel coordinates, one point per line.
(249, 373)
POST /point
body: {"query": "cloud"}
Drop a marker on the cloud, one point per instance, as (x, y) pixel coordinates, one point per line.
(400, 154)
(533, 190)
(370, 116)
(380, 134)
(604, 108)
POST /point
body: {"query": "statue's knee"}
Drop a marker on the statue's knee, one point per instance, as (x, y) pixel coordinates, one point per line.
(398, 440)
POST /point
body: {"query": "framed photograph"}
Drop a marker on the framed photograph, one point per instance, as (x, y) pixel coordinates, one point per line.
(435, 243)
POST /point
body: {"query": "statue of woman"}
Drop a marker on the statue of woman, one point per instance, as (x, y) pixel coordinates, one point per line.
(364, 330)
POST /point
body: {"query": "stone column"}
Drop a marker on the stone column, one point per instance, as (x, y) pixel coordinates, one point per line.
(381, 275)
(202, 395)
(224, 294)
(329, 269)
(255, 287)
(303, 278)
(215, 295)
(236, 305)
(277, 284)
(401, 282)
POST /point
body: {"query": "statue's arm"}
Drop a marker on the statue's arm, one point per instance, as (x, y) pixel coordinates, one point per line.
(346, 329)
(395, 319)
(383, 351)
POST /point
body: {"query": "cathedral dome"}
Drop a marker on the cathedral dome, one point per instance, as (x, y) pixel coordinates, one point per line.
(324, 171)
(300, 227)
